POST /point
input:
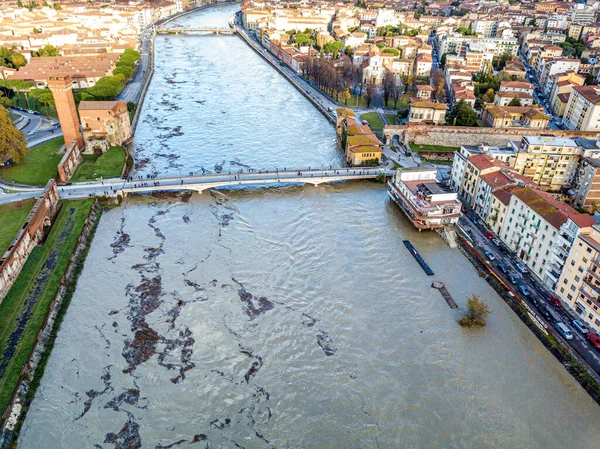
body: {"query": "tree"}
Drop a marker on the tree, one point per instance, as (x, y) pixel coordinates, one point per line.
(37, 31)
(392, 51)
(477, 312)
(515, 102)
(462, 114)
(370, 94)
(389, 83)
(11, 58)
(4, 101)
(18, 86)
(334, 48)
(302, 39)
(489, 96)
(533, 23)
(12, 141)
(47, 50)
(106, 87)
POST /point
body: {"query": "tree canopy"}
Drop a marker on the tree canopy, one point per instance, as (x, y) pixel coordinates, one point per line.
(106, 88)
(47, 50)
(334, 48)
(11, 58)
(462, 114)
(393, 51)
(12, 141)
(515, 102)
(477, 313)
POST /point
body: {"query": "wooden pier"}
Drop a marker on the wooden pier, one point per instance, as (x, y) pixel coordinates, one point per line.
(418, 257)
(445, 293)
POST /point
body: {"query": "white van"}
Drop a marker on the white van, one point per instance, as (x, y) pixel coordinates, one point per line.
(564, 331)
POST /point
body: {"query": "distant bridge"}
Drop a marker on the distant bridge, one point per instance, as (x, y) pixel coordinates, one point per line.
(228, 31)
(199, 183)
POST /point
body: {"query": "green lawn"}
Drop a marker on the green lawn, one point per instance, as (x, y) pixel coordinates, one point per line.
(356, 101)
(38, 166)
(37, 284)
(373, 119)
(12, 217)
(391, 118)
(424, 148)
(13, 116)
(109, 165)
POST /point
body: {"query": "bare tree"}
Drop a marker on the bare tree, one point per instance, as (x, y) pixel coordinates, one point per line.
(396, 91)
(389, 83)
(370, 94)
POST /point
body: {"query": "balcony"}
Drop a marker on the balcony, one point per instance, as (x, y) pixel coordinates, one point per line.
(589, 296)
(595, 275)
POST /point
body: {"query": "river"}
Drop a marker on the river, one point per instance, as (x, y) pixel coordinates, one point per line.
(283, 317)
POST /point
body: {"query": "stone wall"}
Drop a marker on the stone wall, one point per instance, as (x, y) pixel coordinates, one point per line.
(68, 164)
(455, 136)
(31, 233)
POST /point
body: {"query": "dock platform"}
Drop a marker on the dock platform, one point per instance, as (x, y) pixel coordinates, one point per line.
(445, 293)
(418, 257)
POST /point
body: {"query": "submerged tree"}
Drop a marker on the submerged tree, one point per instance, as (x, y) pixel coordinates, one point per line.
(477, 312)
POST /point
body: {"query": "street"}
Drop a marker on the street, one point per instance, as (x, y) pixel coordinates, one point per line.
(539, 292)
(39, 129)
(132, 90)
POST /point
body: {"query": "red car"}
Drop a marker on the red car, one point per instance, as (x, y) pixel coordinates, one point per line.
(593, 339)
(489, 235)
(555, 301)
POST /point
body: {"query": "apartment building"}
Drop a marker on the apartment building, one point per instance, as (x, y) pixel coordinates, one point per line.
(583, 109)
(579, 284)
(550, 161)
(548, 68)
(532, 229)
(587, 180)
(561, 86)
(504, 97)
(458, 44)
(504, 154)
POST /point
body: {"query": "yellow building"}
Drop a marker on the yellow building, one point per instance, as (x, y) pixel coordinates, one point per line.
(495, 116)
(579, 283)
(498, 207)
(549, 161)
(361, 146)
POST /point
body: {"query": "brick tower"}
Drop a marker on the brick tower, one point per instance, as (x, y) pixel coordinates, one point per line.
(61, 86)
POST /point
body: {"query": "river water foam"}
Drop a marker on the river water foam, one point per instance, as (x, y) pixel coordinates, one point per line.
(288, 317)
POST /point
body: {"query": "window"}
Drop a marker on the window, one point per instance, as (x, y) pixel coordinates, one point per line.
(572, 263)
(572, 288)
(580, 269)
(569, 296)
(565, 281)
(577, 278)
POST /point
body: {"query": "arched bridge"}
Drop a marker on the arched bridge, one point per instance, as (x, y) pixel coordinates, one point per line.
(199, 183)
(229, 31)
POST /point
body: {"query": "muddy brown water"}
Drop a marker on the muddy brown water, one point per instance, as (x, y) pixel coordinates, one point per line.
(289, 317)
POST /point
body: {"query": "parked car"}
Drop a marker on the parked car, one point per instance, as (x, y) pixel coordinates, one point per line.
(564, 331)
(534, 301)
(490, 256)
(502, 268)
(497, 242)
(473, 218)
(580, 326)
(489, 235)
(545, 313)
(593, 339)
(36, 113)
(555, 301)
(524, 290)
(512, 278)
(522, 268)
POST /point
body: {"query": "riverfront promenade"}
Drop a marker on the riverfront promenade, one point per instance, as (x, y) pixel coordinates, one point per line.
(198, 183)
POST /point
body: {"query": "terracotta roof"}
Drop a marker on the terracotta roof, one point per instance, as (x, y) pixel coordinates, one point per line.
(483, 161)
(97, 105)
(590, 93)
(516, 85)
(424, 104)
(505, 194)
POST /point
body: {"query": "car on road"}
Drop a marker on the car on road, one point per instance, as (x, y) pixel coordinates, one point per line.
(580, 326)
(593, 339)
(490, 256)
(502, 268)
(473, 218)
(489, 235)
(512, 278)
(523, 289)
(555, 301)
(522, 268)
(546, 313)
(497, 242)
(564, 331)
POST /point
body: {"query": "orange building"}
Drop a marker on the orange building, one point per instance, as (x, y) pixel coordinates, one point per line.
(105, 120)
